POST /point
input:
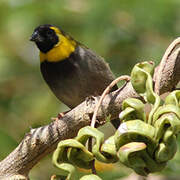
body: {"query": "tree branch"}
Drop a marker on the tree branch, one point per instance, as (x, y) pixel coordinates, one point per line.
(43, 140)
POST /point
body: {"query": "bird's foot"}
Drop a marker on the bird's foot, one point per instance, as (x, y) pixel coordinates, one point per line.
(59, 116)
(91, 100)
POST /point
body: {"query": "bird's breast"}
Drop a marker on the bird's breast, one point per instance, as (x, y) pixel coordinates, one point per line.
(77, 77)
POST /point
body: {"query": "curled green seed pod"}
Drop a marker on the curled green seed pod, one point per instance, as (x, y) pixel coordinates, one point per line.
(128, 156)
(173, 98)
(167, 148)
(169, 108)
(141, 79)
(63, 153)
(168, 121)
(167, 124)
(108, 150)
(85, 133)
(66, 169)
(136, 131)
(134, 155)
(132, 109)
(166, 117)
(108, 154)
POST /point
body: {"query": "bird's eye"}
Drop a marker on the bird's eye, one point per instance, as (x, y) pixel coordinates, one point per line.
(49, 32)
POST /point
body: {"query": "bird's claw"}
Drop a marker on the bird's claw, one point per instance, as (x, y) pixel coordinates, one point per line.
(89, 100)
(59, 116)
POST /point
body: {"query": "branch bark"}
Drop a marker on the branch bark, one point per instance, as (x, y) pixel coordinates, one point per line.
(43, 140)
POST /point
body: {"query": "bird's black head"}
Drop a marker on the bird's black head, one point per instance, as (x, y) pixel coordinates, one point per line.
(45, 37)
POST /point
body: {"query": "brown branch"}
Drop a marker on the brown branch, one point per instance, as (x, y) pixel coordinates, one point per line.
(43, 140)
(106, 91)
(167, 73)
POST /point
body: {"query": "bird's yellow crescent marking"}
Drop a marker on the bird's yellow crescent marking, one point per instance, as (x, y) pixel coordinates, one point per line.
(61, 50)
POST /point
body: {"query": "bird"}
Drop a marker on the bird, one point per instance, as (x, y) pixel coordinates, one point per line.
(72, 71)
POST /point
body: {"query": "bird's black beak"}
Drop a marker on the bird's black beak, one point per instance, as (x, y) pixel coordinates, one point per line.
(35, 37)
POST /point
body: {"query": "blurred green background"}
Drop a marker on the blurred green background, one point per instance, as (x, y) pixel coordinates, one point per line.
(124, 32)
